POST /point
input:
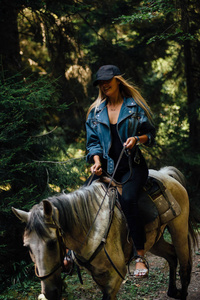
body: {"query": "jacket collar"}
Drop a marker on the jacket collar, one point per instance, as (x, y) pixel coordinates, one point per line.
(102, 113)
(127, 102)
(126, 109)
(101, 106)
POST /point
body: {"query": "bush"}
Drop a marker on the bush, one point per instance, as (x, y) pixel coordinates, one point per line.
(27, 113)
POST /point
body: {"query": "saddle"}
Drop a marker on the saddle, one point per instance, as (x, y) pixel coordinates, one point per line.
(156, 204)
(157, 201)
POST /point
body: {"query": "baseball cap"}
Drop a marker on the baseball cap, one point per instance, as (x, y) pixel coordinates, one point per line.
(106, 73)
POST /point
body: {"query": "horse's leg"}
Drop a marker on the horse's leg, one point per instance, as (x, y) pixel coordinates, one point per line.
(185, 270)
(105, 274)
(109, 282)
(167, 251)
(179, 231)
(180, 239)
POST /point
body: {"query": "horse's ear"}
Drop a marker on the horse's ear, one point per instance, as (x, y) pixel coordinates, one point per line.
(48, 208)
(20, 214)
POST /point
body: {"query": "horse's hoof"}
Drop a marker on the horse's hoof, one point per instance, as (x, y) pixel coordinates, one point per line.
(176, 294)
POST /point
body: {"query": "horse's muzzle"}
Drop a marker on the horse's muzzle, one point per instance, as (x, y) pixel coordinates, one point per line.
(53, 294)
(52, 289)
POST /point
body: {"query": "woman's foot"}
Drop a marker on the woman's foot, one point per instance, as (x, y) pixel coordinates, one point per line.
(68, 263)
(141, 268)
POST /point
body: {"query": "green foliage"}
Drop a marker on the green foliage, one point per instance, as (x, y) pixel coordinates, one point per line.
(28, 289)
(26, 120)
(73, 290)
(167, 11)
(25, 112)
(149, 10)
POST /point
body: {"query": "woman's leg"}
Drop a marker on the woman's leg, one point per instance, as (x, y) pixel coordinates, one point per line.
(129, 202)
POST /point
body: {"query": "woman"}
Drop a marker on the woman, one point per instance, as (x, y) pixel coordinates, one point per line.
(121, 117)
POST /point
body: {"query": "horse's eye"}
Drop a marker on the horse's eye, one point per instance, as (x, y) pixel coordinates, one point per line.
(51, 244)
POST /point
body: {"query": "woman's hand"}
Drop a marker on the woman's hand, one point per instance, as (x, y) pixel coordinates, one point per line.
(130, 142)
(96, 168)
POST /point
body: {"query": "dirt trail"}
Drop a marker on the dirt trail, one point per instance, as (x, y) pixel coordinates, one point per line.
(194, 287)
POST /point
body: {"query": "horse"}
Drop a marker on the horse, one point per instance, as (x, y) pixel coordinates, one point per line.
(87, 222)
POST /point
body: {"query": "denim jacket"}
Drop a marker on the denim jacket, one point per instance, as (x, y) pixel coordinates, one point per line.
(132, 121)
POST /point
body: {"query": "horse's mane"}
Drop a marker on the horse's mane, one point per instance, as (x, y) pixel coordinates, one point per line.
(75, 208)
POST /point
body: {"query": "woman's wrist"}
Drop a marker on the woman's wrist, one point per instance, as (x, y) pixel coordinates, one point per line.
(96, 159)
(142, 139)
(137, 139)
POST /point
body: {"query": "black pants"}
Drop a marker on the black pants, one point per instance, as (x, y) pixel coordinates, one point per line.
(129, 200)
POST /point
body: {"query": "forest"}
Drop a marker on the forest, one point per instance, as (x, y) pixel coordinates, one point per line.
(49, 54)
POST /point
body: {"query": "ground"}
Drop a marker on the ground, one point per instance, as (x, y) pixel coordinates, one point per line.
(194, 287)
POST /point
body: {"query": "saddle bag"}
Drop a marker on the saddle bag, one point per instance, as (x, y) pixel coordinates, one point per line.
(168, 208)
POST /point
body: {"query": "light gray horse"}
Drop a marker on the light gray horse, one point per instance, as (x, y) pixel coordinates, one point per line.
(87, 222)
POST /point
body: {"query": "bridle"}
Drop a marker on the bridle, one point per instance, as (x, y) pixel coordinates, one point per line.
(62, 247)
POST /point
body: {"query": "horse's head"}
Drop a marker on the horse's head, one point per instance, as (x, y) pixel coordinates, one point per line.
(42, 237)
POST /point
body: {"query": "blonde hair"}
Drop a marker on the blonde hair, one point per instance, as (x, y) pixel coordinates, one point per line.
(127, 90)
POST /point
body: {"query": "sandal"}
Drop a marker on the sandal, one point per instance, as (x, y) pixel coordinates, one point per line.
(68, 263)
(141, 273)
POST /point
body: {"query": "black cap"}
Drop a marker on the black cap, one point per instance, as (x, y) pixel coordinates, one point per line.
(106, 73)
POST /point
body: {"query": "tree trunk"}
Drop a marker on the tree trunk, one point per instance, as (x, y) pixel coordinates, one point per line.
(192, 78)
(10, 59)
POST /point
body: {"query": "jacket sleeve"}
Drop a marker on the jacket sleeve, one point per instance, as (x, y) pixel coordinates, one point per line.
(145, 126)
(93, 145)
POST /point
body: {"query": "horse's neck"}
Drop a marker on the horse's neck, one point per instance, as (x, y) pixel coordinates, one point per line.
(75, 241)
(85, 241)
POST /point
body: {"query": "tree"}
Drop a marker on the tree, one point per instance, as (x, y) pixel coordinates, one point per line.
(181, 25)
(9, 47)
(25, 109)
(190, 13)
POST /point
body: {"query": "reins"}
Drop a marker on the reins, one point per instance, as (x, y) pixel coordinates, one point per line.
(109, 185)
(103, 241)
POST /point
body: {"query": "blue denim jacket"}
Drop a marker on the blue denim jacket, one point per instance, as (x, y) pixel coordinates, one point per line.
(132, 121)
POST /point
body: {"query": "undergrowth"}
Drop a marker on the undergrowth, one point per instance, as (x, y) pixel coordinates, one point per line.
(29, 289)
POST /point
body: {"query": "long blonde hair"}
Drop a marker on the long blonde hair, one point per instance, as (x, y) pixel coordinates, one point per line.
(127, 90)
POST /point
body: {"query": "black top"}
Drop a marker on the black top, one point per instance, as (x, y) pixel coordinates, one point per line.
(115, 150)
